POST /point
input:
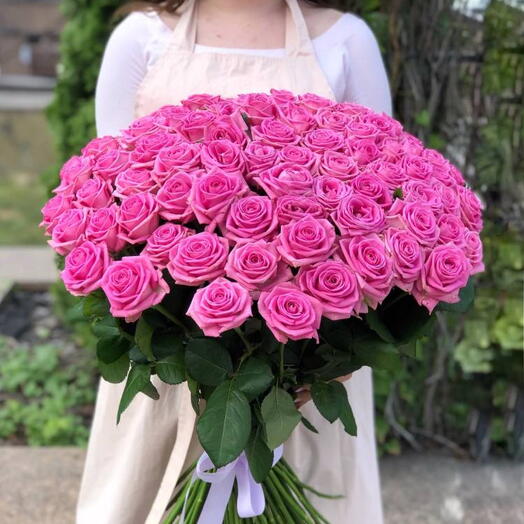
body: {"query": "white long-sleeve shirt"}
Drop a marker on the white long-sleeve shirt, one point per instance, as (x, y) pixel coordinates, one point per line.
(347, 52)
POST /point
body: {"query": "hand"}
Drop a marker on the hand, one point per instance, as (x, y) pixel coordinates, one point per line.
(304, 392)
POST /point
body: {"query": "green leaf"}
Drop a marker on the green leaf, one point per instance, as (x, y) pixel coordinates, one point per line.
(225, 426)
(192, 384)
(381, 357)
(150, 391)
(139, 379)
(466, 295)
(143, 336)
(95, 305)
(106, 327)
(345, 412)
(110, 349)
(116, 371)
(280, 416)
(171, 369)
(325, 398)
(207, 361)
(259, 456)
(308, 425)
(135, 355)
(377, 325)
(166, 344)
(253, 377)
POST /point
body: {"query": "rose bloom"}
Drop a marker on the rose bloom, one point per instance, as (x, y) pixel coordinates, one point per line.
(133, 285)
(84, 268)
(140, 127)
(390, 173)
(418, 167)
(224, 155)
(259, 156)
(257, 266)
(202, 101)
(358, 128)
(364, 150)
(173, 198)
(110, 164)
(306, 241)
(100, 145)
(331, 118)
(183, 156)
(162, 241)
(338, 165)
(52, 210)
(147, 147)
(421, 221)
(94, 193)
(298, 155)
(169, 117)
(75, 172)
(250, 218)
(198, 258)
(296, 116)
(445, 273)
(320, 140)
(286, 179)
(138, 218)
(224, 108)
(451, 229)
(359, 214)
(470, 209)
(449, 198)
(329, 191)
(314, 102)
(474, 251)
(290, 208)
(281, 96)
(69, 230)
(335, 286)
(424, 192)
(194, 125)
(275, 133)
(132, 181)
(103, 228)
(213, 193)
(386, 125)
(373, 267)
(407, 257)
(257, 106)
(373, 187)
(226, 127)
(220, 306)
(289, 313)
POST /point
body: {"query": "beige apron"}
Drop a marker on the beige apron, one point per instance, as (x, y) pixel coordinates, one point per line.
(131, 469)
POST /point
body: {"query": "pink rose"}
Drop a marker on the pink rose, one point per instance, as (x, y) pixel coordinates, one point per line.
(392, 152)
(84, 268)
(329, 191)
(250, 218)
(367, 257)
(198, 258)
(373, 187)
(411, 145)
(52, 210)
(281, 96)
(419, 191)
(314, 102)
(361, 129)
(94, 193)
(133, 285)
(69, 230)
(103, 228)
(306, 241)
(290, 208)
(194, 125)
(100, 145)
(213, 193)
(220, 306)
(133, 181)
(392, 174)
(364, 150)
(331, 118)
(474, 251)
(227, 127)
(338, 165)
(421, 221)
(183, 156)
(224, 155)
(290, 313)
(298, 155)
(257, 266)
(297, 116)
(202, 101)
(162, 241)
(386, 125)
(449, 198)
(75, 172)
(257, 106)
(470, 209)
(138, 218)
(451, 230)
(286, 179)
(445, 273)
(418, 167)
(407, 257)
(358, 215)
(275, 133)
(140, 127)
(225, 108)
(259, 156)
(169, 118)
(110, 164)
(148, 147)
(173, 198)
(335, 286)
(320, 140)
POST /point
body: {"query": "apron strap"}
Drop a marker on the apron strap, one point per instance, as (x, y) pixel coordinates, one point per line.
(298, 42)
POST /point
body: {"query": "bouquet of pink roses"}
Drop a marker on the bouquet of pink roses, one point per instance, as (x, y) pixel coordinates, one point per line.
(252, 246)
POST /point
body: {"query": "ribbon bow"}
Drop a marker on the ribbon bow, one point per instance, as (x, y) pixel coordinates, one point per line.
(250, 501)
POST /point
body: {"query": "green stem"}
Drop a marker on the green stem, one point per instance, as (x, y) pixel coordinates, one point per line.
(290, 499)
(177, 504)
(173, 319)
(281, 349)
(279, 503)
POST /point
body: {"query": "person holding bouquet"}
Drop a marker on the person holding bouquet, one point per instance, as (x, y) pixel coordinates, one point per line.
(162, 53)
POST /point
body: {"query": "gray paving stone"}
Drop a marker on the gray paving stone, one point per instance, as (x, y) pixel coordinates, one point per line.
(28, 266)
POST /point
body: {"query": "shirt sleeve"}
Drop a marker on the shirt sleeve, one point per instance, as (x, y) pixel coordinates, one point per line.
(123, 68)
(367, 81)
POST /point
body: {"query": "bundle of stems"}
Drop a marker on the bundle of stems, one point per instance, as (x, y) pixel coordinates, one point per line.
(286, 501)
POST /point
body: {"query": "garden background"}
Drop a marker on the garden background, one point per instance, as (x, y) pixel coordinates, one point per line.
(457, 76)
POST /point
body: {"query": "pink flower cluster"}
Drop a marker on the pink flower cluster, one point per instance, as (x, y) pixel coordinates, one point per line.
(310, 207)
